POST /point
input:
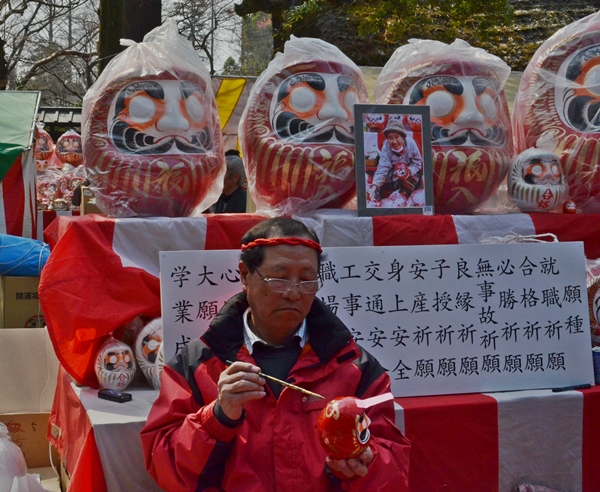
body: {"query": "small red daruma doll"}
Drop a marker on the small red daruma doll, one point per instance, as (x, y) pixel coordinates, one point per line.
(558, 96)
(297, 130)
(471, 135)
(44, 145)
(151, 135)
(69, 149)
(343, 428)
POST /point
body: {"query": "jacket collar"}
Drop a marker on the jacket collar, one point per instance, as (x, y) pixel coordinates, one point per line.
(225, 335)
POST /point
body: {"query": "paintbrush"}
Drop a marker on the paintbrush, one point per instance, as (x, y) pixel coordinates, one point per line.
(285, 383)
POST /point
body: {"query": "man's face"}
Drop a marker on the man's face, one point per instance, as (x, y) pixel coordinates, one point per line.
(396, 141)
(277, 315)
(230, 182)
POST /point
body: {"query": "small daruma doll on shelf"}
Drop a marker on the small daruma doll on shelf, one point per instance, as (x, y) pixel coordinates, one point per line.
(470, 126)
(115, 365)
(536, 182)
(297, 131)
(152, 139)
(149, 351)
(559, 95)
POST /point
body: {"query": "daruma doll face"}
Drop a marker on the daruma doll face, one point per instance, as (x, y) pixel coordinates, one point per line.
(298, 137)
(470, 130)
(559, 99)
(68, 148)
(115, 365)
(153, 146)
(343, 428)
(44, 146)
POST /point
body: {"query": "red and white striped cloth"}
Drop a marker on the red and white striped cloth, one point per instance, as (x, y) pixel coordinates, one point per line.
(495, 442)
(103, 272)
(18, 200)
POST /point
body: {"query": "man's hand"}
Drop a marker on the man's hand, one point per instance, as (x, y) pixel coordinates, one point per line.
(352, 467)
(238, 384)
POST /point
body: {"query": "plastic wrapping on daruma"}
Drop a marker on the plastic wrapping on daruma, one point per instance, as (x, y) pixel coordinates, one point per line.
(151, 134)
(559, 98)
(297, 130)
(471, 134)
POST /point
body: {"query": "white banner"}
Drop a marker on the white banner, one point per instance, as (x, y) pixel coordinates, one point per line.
(441, 319)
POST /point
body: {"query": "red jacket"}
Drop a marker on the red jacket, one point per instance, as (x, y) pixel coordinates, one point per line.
(276, 448)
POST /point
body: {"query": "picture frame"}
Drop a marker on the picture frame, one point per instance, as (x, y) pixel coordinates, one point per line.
(394, 173)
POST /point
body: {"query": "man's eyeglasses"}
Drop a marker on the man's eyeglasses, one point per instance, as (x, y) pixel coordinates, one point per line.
(281, 285)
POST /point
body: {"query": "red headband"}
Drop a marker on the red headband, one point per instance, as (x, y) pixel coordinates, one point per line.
(275, 241)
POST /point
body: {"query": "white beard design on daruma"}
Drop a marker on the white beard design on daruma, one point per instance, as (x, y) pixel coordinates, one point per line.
(559, 97)
(471, 135)
(536, 182)
(149, 351)
(115, 365)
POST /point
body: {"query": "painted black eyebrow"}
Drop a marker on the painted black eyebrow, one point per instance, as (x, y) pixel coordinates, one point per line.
(451, 84)
(153, 89)
(314, 80)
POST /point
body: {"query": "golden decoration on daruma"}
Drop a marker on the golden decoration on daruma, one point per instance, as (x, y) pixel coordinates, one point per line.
(297, 130)
(152, 138)
(470, 126)
(558, 97)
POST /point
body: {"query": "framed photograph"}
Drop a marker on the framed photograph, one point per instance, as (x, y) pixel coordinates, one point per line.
(393, 159)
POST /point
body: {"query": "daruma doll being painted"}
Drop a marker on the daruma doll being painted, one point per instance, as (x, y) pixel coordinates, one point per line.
(297, 131)
(471, 135)
(151, 133)
(559, 100)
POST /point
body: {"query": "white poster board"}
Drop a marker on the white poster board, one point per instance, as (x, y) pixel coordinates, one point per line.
(441, 319)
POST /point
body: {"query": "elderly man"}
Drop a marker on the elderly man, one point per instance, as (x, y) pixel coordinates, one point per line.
(218, 425)
(399, 160)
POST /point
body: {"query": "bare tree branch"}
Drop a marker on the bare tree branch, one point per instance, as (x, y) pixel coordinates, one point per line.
(45, 61)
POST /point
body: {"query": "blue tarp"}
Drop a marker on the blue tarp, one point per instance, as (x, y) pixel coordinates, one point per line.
(22, 257)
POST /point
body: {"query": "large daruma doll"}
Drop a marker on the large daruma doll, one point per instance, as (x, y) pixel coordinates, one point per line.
(471, 135)
(297, 130)
(151, 133)
(559, 100)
